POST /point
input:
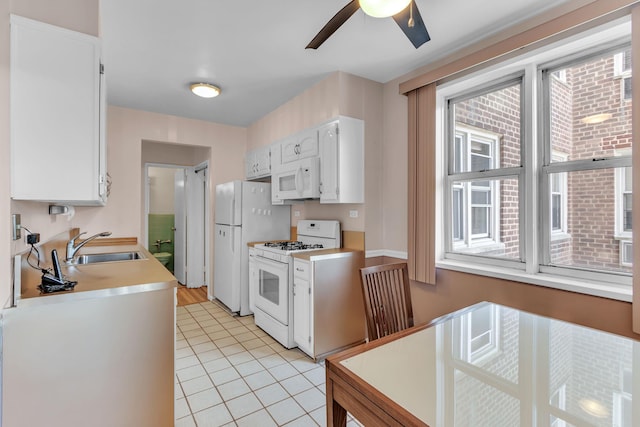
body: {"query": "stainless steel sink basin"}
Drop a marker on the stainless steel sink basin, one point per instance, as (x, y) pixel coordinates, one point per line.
(108, 257)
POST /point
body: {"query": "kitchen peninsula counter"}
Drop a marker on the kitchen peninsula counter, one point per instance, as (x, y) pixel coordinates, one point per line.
(101, 354)
(100, 278)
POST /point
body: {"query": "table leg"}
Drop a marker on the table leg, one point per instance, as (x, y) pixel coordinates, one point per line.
(336, 414)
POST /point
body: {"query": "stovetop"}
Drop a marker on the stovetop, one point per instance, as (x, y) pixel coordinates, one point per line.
(293, 246)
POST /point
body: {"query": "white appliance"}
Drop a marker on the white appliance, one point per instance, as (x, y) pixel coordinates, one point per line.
(243, 213)
(297, 180)
(273, 290)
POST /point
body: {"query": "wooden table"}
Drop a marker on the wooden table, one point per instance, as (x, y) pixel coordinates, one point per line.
(487, 365)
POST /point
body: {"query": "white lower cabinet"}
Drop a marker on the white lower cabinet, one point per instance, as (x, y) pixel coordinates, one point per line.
(328, 309)
(302, 307)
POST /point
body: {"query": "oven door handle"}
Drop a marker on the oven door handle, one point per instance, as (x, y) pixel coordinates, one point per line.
(274, 264)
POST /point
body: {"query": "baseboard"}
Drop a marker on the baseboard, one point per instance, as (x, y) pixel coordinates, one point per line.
(387, 253)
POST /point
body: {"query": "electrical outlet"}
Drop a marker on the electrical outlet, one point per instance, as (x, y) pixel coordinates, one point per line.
(353, 213)
(296, 214)
(15, 226)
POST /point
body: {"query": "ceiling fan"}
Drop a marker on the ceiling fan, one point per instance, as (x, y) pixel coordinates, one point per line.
(408, 19)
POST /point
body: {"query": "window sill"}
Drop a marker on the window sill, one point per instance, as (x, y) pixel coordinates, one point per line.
(599, 289)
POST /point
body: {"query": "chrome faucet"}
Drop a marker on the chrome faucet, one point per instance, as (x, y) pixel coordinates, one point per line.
(72, 249)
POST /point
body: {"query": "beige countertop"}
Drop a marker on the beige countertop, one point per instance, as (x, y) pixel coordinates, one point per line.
(99, 279)
(325, 254)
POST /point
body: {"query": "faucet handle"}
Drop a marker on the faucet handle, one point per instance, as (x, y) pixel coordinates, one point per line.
(73, 239)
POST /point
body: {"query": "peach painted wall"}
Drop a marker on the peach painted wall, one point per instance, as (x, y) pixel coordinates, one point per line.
(339, 94)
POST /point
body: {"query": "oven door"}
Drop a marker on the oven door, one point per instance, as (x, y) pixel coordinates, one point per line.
(272, 290)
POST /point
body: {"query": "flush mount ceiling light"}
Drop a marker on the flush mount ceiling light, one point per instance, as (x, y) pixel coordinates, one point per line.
(594, 408)
(596, 118)
(205, 90)
(383, 8)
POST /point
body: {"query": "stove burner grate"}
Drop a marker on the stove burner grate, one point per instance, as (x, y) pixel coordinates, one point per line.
(293, 246)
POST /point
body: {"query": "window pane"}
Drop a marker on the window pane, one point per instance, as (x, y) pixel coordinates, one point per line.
(587, 116)
(556, 212)
(626, 212)
(628, 179)
(492, 123)
(491, 213)
(591, 223)
(480, 222)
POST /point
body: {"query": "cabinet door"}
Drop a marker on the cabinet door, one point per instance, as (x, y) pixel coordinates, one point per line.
(57, 146)
(263, 161)
(308, 145)
(302, 315)
(300, 146)
(289, 150)
(329, 160)
(250, 165)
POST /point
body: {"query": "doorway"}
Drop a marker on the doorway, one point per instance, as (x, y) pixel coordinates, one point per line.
(176, 217)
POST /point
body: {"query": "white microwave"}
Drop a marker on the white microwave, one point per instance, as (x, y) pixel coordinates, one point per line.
(296, 180)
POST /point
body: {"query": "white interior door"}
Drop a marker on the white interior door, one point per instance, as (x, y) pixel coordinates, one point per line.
(180, 235)
(195, 190)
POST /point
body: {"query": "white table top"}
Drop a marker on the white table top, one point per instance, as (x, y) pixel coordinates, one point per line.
(497, 366)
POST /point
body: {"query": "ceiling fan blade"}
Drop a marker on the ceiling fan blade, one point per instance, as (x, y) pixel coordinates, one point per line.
(418, 34)
(333, 24)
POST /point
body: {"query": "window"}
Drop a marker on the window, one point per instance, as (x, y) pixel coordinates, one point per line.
(479, 335)
(622, 400)
(558, 201)
(622, 70)
(558, 400)
(484, 172)
(537, 172)
(474, 202)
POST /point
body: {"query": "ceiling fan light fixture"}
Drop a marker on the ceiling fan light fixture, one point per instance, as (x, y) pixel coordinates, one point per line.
(205, 90)
(383, 8)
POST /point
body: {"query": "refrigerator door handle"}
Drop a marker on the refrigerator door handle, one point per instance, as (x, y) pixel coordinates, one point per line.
(232, 240)
(232, 211)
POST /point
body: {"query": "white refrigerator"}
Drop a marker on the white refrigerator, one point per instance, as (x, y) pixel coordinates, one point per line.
(243, 213)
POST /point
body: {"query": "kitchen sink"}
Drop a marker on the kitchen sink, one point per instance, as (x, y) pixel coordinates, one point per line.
(108, 257)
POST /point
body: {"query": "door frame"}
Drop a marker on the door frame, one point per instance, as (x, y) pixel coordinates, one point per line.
(207, 216)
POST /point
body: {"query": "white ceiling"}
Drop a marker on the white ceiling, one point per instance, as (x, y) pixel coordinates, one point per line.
(254, 49)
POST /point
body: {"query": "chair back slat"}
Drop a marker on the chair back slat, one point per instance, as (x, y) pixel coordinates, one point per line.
(387, 299)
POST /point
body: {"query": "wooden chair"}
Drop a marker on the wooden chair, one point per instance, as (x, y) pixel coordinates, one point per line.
(387, 299)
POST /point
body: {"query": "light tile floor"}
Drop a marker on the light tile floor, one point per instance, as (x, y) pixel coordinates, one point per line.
(231, 373)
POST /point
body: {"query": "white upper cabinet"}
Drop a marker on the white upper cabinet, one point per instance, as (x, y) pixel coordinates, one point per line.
(57, 115)
(258, 163)
(342, 161)
(299, 146)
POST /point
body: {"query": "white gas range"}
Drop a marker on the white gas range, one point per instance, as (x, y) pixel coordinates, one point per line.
(271, 284)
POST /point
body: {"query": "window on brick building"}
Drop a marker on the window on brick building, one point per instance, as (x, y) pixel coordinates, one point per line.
(483, 193)
(537, 167)
(622, 70)
(585, 120)
(558, 202)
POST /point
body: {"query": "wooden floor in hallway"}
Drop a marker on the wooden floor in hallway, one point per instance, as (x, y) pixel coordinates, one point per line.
(188, 296)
